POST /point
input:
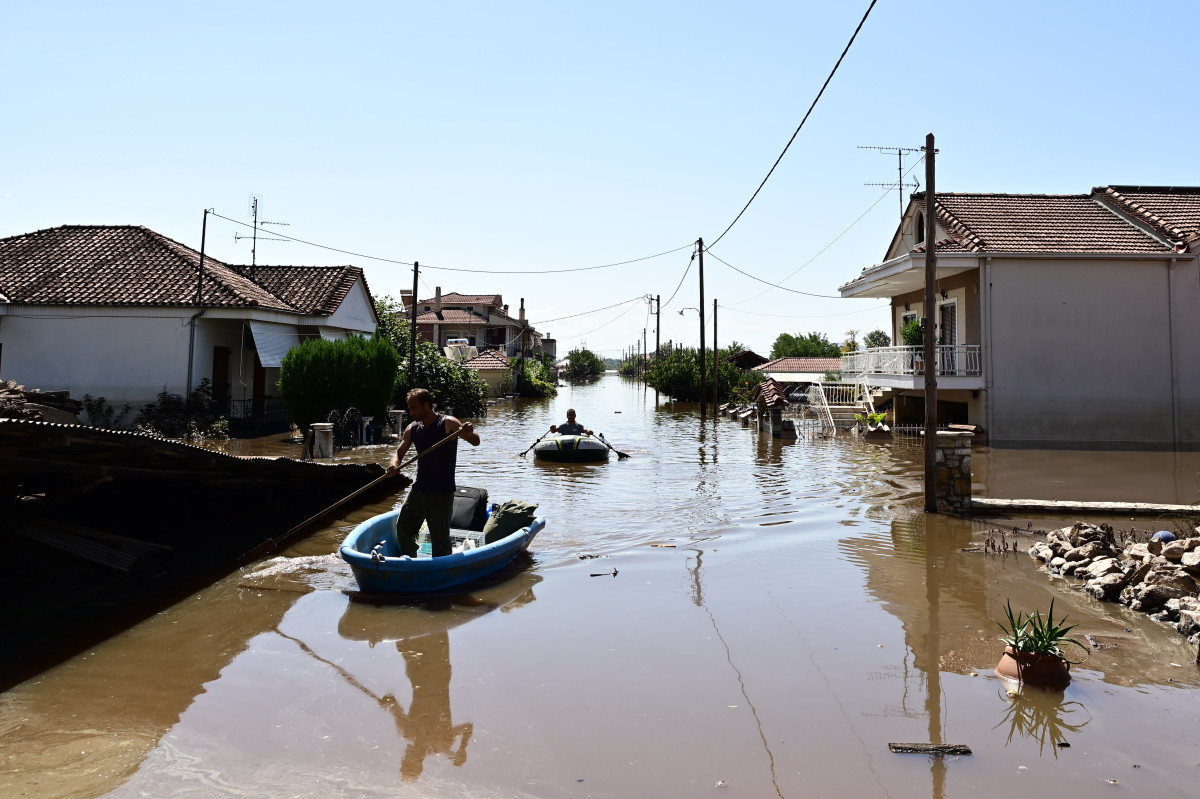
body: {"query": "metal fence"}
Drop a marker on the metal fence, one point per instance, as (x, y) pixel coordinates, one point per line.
(962, 360)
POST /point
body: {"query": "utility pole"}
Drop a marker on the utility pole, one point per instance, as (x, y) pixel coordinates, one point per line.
(644, 364)
(199, 301)
(930, 321)
(703, 387)
(412, 350)
(716, 359)
(657, 333)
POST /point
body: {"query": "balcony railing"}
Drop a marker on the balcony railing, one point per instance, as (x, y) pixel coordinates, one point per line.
(961, 360)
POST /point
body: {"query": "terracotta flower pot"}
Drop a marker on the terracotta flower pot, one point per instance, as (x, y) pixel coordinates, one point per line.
(1046, 671)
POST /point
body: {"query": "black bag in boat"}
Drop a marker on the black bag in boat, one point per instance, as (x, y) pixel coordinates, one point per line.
(470, 509)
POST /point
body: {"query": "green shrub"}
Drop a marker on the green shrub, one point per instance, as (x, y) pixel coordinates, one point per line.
(912, 334)
(538, 380)
(320, 376)
(584, 365)
(676, 373)
(195, 419)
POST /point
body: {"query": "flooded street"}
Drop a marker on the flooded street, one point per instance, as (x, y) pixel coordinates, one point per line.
(719, 614)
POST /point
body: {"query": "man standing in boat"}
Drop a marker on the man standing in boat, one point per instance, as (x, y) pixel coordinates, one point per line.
(431, 498)
(571, 428)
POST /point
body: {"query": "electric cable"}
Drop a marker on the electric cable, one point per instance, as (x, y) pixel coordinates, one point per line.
(685, 274)
(769, 283)
(801, 125)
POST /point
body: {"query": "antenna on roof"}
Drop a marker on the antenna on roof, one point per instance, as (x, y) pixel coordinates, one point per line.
(254, 201)
(899, 185)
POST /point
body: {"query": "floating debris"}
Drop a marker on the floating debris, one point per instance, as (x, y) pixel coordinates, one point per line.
(937, 750)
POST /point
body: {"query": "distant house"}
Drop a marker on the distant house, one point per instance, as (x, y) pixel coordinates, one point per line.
(1060, 319)
(482, 319)
(746, 359)
(797, 371)
(122, 312)
(493, 368)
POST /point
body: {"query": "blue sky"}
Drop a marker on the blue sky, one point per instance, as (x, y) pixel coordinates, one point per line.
(548, 136)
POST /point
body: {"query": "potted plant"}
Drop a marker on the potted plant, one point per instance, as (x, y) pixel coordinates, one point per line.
(913, 335)
(1034, 648)
(872, 421)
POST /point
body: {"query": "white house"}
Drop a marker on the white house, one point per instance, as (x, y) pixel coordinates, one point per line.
(1062, 320)
(122, 312)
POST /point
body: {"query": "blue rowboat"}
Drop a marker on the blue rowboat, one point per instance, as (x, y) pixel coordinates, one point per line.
(570, 449)
(373, 552)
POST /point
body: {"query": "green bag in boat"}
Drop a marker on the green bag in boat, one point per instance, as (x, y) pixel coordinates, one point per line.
(507, 518)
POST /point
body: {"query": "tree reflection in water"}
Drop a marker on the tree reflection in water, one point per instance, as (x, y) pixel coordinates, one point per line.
(1042, 716)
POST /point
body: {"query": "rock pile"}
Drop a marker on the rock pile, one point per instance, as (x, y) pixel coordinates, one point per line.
(17, 402)
(1156, 577)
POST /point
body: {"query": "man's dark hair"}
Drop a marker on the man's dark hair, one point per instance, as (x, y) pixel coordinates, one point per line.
(422, 395)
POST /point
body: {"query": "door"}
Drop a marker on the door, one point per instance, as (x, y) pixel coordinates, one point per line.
(948, 337)
(259, 397)
(220, 374)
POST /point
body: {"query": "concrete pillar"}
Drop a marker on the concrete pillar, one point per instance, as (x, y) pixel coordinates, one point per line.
(396, 421)
(322, 439)
(776, 422)
(952, 459)
(368, 432)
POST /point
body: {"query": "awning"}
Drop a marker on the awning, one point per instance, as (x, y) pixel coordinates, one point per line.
(333, 333)
(273, 341)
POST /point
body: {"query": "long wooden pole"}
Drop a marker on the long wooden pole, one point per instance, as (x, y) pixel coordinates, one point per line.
(412, 350)
(703, 387)
(657, 334)
(716, 360)
(930, 323)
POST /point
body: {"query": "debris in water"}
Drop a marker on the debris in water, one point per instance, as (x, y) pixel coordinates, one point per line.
(672, 546)
(612, 573)
(1111, 782)
(720, 783)
(929, 749)
(1064, 745)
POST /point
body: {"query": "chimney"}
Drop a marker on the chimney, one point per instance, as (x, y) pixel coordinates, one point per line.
(521, 318)
(437, 299)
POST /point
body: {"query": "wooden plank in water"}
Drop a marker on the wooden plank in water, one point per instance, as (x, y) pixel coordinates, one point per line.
(938, 750)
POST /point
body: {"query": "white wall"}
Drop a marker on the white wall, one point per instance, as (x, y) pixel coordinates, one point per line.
(1080, 352)
(356, 312)
(125, 359)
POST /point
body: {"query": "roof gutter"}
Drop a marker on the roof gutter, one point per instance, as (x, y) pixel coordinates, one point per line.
(200, 302)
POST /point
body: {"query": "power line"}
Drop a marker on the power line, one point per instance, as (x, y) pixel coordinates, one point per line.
(685, 274)
(838, 237)
(769, 283)
(804, 316)
(801, 125)
(456, 269)
(595, 310)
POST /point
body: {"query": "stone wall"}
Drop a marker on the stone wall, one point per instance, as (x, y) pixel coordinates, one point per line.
(952, 460)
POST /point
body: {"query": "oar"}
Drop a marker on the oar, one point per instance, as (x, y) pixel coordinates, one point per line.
(534, 444)
(610, 446)
(272, 544)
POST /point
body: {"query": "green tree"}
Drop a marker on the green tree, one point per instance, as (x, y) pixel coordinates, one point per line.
(676, 373)
(453, 386)
(877, 338)
(320, 376)
(539, 376)
(851, 342)
(813, 345)
(584, 365)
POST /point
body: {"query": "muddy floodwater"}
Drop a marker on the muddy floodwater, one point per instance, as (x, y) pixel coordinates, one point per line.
(721, 614)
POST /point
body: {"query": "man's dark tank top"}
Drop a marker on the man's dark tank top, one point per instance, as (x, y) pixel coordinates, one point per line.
(435, 471)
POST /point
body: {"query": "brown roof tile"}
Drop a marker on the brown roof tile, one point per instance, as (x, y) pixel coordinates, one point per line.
(454, 298)
(1059, 223)
(132, 265)
(452, 315)
(488, 359)
(1171, 211)
(770, 392)
(801, 365)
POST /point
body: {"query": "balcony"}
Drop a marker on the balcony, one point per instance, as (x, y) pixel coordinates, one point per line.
(958, 366)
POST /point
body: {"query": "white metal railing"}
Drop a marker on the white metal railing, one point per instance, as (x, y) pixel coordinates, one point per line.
(816, 400)
(962, 360)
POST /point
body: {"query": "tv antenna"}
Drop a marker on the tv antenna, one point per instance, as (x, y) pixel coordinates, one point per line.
(254, 201)
(899, 185)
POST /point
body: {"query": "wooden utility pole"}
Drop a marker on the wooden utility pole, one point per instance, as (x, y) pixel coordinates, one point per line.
(716, 360)
(931, 363)
(412, 349)
(644, 356)
(703, 387)
(657, 333)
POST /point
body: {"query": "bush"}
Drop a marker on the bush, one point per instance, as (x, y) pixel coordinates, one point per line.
(195, 419)
(877, 338)
(320, 376)
(585, 365)
(676, 373)
(538, 381)
(912, 334)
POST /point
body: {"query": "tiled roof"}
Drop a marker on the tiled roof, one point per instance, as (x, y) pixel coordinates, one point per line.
(452, 315)
(770, 393)
(310, 289)
(1171, 211)
(488, 359)
(801, 365)
(132, 265)
(1059, 223)
(454, 298)
(945, 245)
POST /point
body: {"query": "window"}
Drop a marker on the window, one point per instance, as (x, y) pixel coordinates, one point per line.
(920, 227)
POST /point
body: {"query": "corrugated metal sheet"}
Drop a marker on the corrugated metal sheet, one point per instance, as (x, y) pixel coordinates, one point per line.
(273, 341)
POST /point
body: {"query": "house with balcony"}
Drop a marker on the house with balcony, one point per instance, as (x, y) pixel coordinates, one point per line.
(482, 320)
(1060, 320)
